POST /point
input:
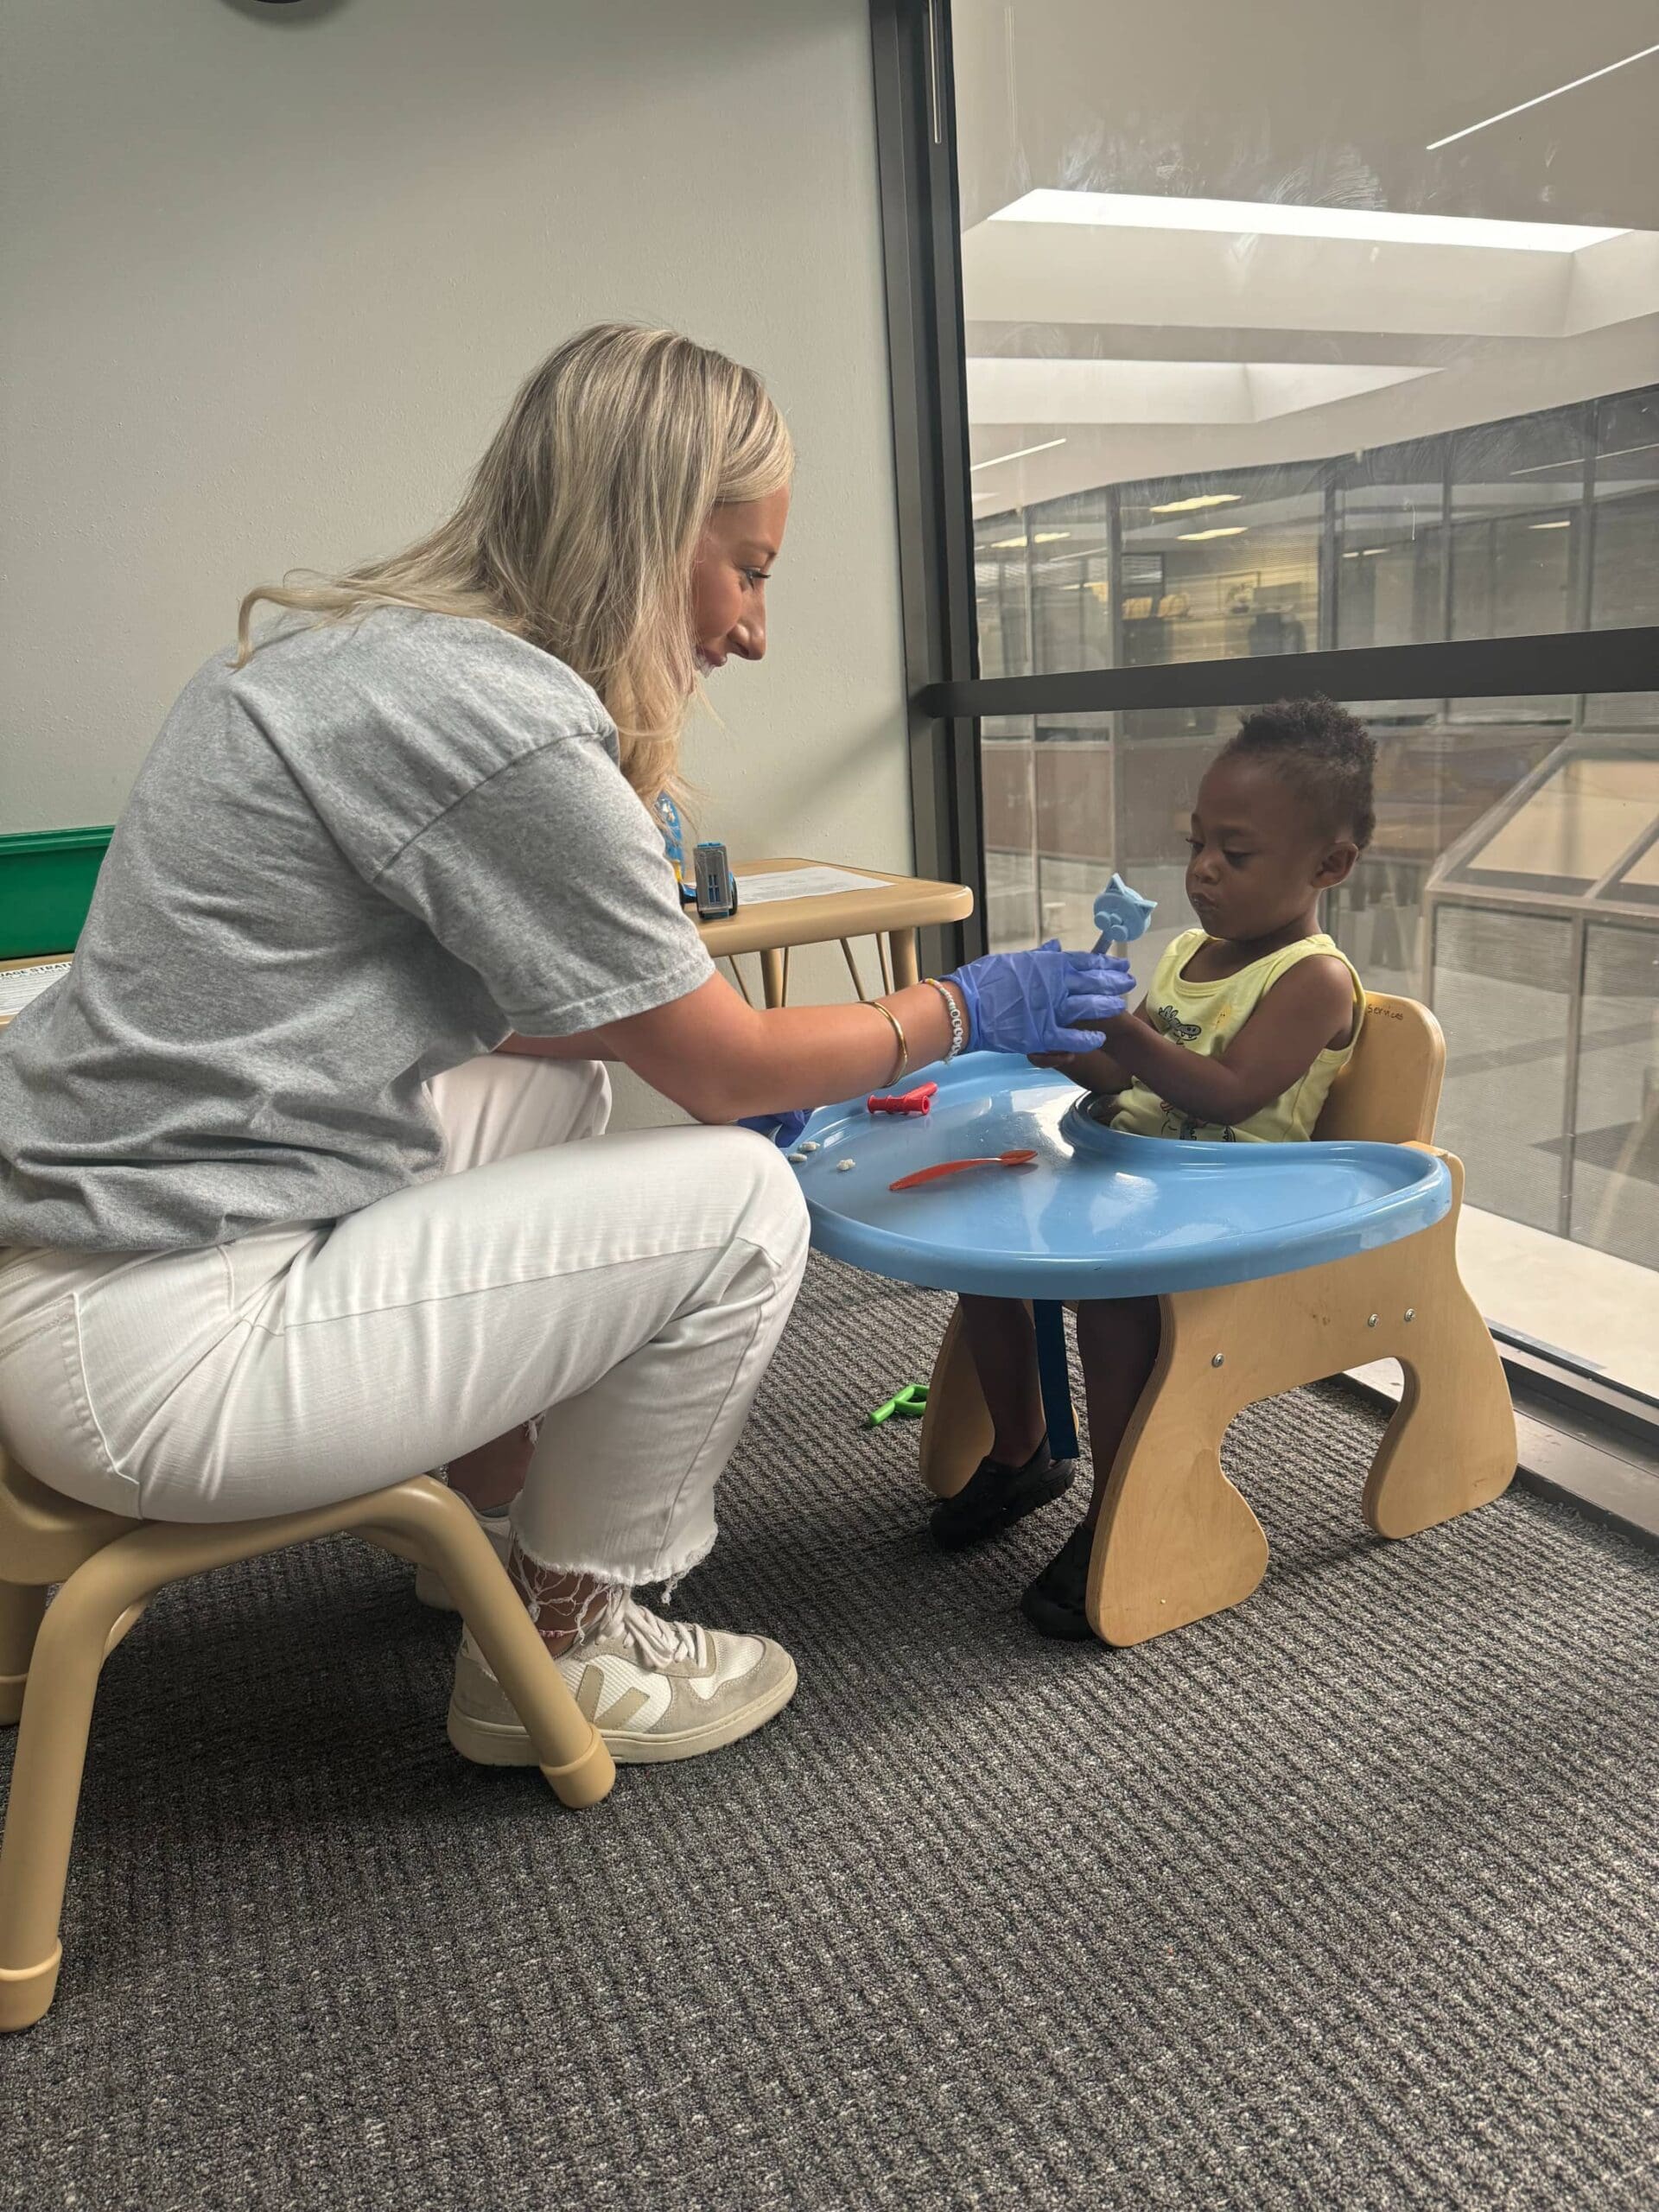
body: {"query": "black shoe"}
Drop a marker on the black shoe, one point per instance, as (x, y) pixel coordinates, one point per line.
(996, 1496)
(1053, 1604)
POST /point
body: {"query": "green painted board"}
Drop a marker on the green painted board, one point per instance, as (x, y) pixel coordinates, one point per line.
(45, 886)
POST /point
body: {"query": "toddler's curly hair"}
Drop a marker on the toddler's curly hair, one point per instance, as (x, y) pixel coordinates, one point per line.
(1324, 753)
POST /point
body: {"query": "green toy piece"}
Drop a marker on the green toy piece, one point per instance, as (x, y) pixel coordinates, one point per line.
(909, 1404)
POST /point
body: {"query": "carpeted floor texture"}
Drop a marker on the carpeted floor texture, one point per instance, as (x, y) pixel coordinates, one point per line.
(1346, 1898)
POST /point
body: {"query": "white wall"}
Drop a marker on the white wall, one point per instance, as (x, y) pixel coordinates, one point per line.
(270, 275)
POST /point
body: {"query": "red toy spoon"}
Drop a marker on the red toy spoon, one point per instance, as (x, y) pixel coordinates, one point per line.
(955, 1167)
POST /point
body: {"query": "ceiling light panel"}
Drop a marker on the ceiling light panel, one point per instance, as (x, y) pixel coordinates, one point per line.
(1284, 219)
(996, 459)
(1538, 99)
(1026, 391)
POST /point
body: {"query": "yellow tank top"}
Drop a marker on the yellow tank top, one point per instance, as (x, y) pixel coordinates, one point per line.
(1205, 1018)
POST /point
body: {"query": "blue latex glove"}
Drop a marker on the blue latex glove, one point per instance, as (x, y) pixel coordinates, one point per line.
(782, 1129)
(1033, 1001)
(1121, 915)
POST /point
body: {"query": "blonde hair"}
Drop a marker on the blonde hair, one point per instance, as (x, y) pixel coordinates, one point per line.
(580, 526)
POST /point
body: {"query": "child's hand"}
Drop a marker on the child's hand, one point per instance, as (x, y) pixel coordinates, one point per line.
(1089, 1070)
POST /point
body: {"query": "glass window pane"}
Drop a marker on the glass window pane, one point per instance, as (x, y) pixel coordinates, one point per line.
(1621, 709)
(1436, 781)
(1501, 988)
(1616, 1130)
(1573, 828)
(1624, 585)
(1389, 516)
(1268, 350)
(1010, 900)
(1517, 525)
(1235, 575)
(1002, 595)
(1009, 826)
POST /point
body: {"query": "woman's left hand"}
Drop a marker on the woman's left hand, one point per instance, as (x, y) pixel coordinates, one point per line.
(782, 1129)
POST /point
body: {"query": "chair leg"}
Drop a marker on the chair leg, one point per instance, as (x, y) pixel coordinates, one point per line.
(1451, 1445)
(436, 1525)
(21, 1608)
(956, 1427)
(68, 1656)
(1176, 1542)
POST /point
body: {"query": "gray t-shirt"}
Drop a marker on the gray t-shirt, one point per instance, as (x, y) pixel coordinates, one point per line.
(362, 859)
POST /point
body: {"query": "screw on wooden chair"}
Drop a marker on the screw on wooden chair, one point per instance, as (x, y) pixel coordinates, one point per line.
(1220, 1360)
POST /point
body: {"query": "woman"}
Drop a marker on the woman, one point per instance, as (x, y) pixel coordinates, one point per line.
(298, 1169)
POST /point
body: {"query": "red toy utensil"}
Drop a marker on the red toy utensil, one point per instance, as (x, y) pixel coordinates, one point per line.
(920, 1101)
(956, 1166)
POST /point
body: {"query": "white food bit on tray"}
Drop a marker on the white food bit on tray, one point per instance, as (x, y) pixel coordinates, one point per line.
(841, 1166)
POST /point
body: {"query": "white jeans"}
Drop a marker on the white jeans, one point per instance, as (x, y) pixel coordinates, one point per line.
(629, 1289)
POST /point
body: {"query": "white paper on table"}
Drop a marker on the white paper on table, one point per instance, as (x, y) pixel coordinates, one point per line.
(19, 985)
(815, 881)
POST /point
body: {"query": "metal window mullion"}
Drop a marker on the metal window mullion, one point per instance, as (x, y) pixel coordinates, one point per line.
(1448, 536)
(1114, 571)
(1326, 627)
(1556, 662)
(1036, 858)
(1028, 575)
(1583, 581)
(1580, 925)
(915, 148)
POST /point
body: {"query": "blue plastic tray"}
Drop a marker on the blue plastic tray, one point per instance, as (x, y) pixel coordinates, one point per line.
(1099, 1214)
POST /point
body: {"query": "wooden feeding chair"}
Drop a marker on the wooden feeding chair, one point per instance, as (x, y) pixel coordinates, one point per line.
(1176, 1542)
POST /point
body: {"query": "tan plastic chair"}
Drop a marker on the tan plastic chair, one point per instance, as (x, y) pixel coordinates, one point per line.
(110, 1569)
(1176, 1542)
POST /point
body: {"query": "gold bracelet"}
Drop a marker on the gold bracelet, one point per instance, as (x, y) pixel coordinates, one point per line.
(903, 1061)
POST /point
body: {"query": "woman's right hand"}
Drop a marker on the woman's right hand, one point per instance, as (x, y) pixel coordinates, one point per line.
(1036, 1001)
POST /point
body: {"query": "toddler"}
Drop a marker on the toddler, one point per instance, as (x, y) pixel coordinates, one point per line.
(1242, 1030)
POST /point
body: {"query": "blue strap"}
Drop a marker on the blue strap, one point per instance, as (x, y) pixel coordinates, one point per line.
(1055, 1377)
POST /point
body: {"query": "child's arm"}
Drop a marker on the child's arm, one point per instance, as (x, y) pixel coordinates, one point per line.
(1311, 1006)
(1094, 1071)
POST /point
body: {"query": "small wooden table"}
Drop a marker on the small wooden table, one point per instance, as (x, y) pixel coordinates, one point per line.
(893, 906)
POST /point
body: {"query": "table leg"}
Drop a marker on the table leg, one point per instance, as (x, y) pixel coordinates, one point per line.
(772, 974)
(852, 970)
(902, 945)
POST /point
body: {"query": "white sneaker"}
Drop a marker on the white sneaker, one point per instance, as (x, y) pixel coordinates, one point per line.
(429, 1585)
(654, 1689)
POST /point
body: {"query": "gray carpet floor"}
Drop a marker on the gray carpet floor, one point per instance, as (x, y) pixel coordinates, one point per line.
(1345, 1898)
